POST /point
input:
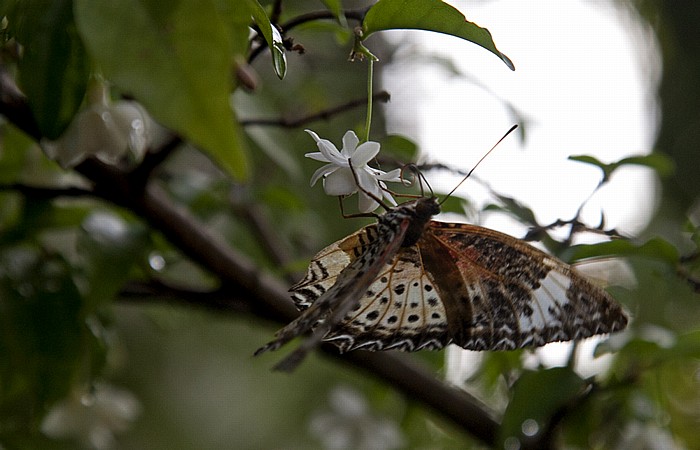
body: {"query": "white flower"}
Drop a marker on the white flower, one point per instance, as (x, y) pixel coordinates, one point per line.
(349, 423)
(106, 130)
(92, 417)
(338, 178)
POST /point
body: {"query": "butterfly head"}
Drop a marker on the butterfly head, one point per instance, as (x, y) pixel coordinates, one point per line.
(420, 212)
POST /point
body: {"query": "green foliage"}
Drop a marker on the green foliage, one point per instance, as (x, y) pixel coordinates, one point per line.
(175, 58)
(656, 248)
(110, 247)
(657, 161)
(429, 15)
(536, 398)
(42, 335)
(54, 69)
(402, 148)
(272, 38)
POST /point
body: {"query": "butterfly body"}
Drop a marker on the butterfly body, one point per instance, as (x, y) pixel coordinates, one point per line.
(422, 284)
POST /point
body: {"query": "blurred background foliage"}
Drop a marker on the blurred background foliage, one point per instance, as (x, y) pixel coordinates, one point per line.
(95, 349)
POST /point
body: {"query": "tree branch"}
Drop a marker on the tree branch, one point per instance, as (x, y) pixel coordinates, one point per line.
(325, 114)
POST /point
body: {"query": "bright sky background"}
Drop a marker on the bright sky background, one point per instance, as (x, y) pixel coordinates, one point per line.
(585, 81)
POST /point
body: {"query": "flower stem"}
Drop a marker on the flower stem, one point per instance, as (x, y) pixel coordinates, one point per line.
(370, 76)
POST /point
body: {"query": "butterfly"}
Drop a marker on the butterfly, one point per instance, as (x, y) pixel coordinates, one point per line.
(411, 283)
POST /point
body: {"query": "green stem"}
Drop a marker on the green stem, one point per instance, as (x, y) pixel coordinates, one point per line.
(370, 76)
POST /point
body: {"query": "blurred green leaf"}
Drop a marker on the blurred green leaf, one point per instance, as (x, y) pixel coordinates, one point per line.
(53, 70)
(109, 246)
(13, 156)
(236, 18)
(336, 8)
(642, 354)
(42, 335)
(429, 15)
(175, 58)
(513, 207)
(497, 365)
(272, 37)
(661, 163)
(404, 149)
(282, 198)
(453, 204)
(656, 248)
(537, 396)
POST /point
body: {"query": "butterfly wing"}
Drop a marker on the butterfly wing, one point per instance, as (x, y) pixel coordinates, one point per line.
(326, 266)
(400, 310)
(336, 278)
(478, 288)
(501, 293)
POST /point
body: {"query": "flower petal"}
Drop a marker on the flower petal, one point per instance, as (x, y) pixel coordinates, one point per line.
(367, 181)
(323, 171)
(365, 203)
(387, 196)
(393, 176)
(364, 153)
(340, 182)
(329, 150)
(350, 142)
(318, 156)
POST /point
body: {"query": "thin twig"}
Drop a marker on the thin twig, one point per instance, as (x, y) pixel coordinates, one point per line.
(325, 114)
(354, 14)
(45, 192)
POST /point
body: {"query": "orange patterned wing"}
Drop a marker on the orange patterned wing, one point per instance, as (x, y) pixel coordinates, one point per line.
(510, 294)
(477, 288)
(410, 283)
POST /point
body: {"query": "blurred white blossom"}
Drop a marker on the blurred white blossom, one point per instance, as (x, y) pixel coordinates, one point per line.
(109, 131)
(647, 436)
(338, 178)
(92, 417)
(349, 424)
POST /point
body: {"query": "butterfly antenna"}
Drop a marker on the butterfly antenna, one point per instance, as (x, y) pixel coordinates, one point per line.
(479, 162)
(421, 179)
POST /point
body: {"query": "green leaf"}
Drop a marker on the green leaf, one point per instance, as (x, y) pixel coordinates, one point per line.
(272, 37)
(236, 18)
(429, 15)
(404, 149)
(453, 204)
(537, 396)
(655, 248)
(336, 8)
(109, 247)
(15, 153)
(53, 70)
(662, 164)
(513, 207)
(642, 354)
(42, 335)
(175, 58)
